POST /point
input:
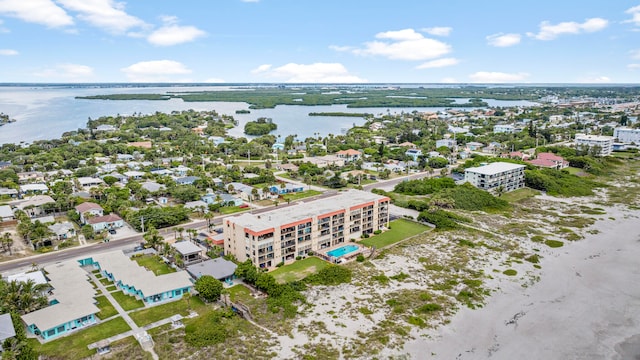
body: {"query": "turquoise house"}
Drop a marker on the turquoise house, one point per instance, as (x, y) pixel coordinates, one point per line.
(139, 282)
(72, 304)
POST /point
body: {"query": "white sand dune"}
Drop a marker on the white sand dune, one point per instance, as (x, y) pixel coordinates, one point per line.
(586, 306)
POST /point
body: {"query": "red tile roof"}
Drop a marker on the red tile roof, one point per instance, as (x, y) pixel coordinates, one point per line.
(86, 206)
(107, 218)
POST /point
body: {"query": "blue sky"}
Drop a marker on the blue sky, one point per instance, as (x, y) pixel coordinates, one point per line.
(312, 41)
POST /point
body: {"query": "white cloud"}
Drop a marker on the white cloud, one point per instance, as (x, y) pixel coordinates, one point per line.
(262, 68)
(44, 12)
(635, 15)
(595, 80)
(8, 52)
(173, 34)
(550, 32)
(438, 63)
(340, 48)
(633, 66)
(104, 14)
(67, 73)
(438, 31)
(404, 44)
(503, 40)
(156, 71)
(497, 77)
(635, 54)
(406, 34)
(449, 80)
(311, 73)
(214, 80)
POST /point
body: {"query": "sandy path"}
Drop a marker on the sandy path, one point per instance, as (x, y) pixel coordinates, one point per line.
(585, 306)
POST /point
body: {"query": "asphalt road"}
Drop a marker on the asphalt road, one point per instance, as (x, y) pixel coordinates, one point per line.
(130, 241)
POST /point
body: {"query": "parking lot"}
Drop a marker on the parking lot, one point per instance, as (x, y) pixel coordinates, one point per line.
(123, 232)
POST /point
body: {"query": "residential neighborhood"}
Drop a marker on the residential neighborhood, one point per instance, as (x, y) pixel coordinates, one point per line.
(190, 203)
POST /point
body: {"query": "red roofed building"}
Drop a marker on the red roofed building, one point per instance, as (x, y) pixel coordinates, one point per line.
(549, 160)
(88, 210)
(107, 222)
(349, 155)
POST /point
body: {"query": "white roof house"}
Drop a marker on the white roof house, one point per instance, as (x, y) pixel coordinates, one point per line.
(34, 187)
(129, 273)
(73, 293)
(6, 214)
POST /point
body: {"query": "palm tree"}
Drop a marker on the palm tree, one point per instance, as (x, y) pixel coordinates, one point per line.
(208, 216)
(180, 229)
(7, 240)
(152, 237)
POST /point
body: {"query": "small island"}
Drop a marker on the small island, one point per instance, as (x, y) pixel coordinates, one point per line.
(261, 126)
(243, 111)
(5, 119)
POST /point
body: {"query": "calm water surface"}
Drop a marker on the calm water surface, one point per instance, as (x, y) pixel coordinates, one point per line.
(47, 112)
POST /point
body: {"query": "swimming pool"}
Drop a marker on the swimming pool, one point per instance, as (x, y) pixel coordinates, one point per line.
(342, 251)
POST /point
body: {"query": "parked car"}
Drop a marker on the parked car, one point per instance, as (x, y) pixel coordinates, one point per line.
(112, 231)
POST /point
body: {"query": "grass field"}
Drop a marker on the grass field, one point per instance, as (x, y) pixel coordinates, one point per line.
(300, 195)
(520, 194)
(75, 346)
(400, 230)
(299, 269)
(226, 210)
(159, 312)
(106, 308)
(155, 264)
(126, 301)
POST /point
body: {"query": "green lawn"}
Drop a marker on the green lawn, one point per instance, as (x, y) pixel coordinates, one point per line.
(127, 302)
(299, 269)
(111, 288)
(106, 308)
(75, 346)
(520, 194)
(155, 264)
(239, 293)
(400, 230)
(106, 281)
(300, 195)
(159, 312)
(226, 210)
(574, 171)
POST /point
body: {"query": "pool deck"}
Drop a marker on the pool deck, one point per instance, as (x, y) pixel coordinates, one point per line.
(347, 257)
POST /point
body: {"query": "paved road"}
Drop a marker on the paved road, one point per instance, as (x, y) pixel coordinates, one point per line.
(131, 241)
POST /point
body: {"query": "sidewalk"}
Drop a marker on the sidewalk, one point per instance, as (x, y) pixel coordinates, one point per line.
(140, 334)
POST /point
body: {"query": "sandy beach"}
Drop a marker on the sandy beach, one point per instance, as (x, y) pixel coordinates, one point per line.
(581, 301)
(585, 306)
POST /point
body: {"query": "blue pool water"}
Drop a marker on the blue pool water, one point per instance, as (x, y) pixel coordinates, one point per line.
(342, 251)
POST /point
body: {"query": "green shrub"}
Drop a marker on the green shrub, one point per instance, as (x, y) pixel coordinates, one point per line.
(377, 232)
(330, 275)
(365, 311)
(400, 277)
(533, 259)
(510, 272)
(428, 308)
(360, 258)
(554, 243)
(280, 264)
(382, 279)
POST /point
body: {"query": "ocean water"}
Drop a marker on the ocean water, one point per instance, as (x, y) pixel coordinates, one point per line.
(46, 112)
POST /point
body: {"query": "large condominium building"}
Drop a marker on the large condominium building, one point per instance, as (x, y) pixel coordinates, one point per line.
(283, 234)
(490, 177)
(604, 143)
(627, 135)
